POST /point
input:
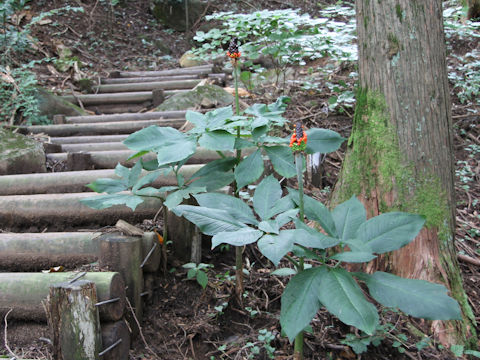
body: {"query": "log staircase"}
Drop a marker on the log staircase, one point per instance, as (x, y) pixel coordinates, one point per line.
(88, 148)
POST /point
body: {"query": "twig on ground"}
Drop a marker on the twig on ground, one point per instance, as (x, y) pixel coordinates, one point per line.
(140, 329)
(5, 335)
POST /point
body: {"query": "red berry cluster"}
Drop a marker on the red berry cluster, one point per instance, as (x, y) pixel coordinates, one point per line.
(233, 51)
(299, 138)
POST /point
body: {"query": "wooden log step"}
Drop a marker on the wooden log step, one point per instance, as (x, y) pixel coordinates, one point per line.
(152, 115)
(116, 98)
(106, 146)
(147, 86)
(121, 108)
(104, 128)
(87, 139)
(195, 70)
(37, 251)
(72, 181)
(65, 211)
(146, 79)
(25, 292)
(110, 159)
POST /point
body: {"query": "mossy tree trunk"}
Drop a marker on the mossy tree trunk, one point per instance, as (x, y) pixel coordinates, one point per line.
(399, 155)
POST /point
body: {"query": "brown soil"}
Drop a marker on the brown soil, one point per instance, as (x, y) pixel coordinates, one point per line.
(181, 320)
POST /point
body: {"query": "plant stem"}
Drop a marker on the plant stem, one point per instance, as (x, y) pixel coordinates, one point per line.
(298, 346)
(299, 166)
(238, 249)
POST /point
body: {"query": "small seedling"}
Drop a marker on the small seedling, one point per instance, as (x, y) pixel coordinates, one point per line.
(198, 272)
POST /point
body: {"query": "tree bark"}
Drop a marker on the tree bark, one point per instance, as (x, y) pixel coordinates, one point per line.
(399, 155)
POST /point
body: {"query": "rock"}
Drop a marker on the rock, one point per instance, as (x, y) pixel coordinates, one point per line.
(189, 60)
(171, 13)
(210, 95)
(20, 154)
(50, 104)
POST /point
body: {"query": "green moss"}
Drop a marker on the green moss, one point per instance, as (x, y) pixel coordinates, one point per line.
(371, 130)
(393, 45)
(383, 166)
(398, 11)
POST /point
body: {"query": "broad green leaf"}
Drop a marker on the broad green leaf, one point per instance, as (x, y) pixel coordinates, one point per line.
(266, 195)
(259, 132)
(106, 201)
(217, 118)
(151, 137)
(274, 247)
(122, 171)
(108, 186)
(353, 257)
(215, 180)
(315, 239)
(323, 141)
(209, 221)
(138, 154)
(148, 191)
(214, 166)
(170, 144)
(197, 119)
(202, 278)
(281, 206)
(243, 236)
(234, 206)
(286, 217)
(348, 216)
(220, 140)
(134, 173)
(176, 197)
(175, 151)
(282, 160)
(390, 231)
(249, 169)
(315, 210)
(263, 116)
(284, 272)
(242, 144)
(342, 297)
(149, 178)
(300, 301)
(269, 226)
(418, 298)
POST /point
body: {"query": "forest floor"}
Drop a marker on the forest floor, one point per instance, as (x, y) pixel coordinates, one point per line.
(182, 320)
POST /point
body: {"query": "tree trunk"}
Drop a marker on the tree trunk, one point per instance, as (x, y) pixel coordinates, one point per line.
(399, 155)
(74, 321)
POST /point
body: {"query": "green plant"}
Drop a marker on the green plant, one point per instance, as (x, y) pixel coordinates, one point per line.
(19, 96)
(346, 237)
(265, 337)
(284, 36)
(198, 272)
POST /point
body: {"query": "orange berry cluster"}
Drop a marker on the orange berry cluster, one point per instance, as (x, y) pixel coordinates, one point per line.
(298, 141)
(234, 55)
